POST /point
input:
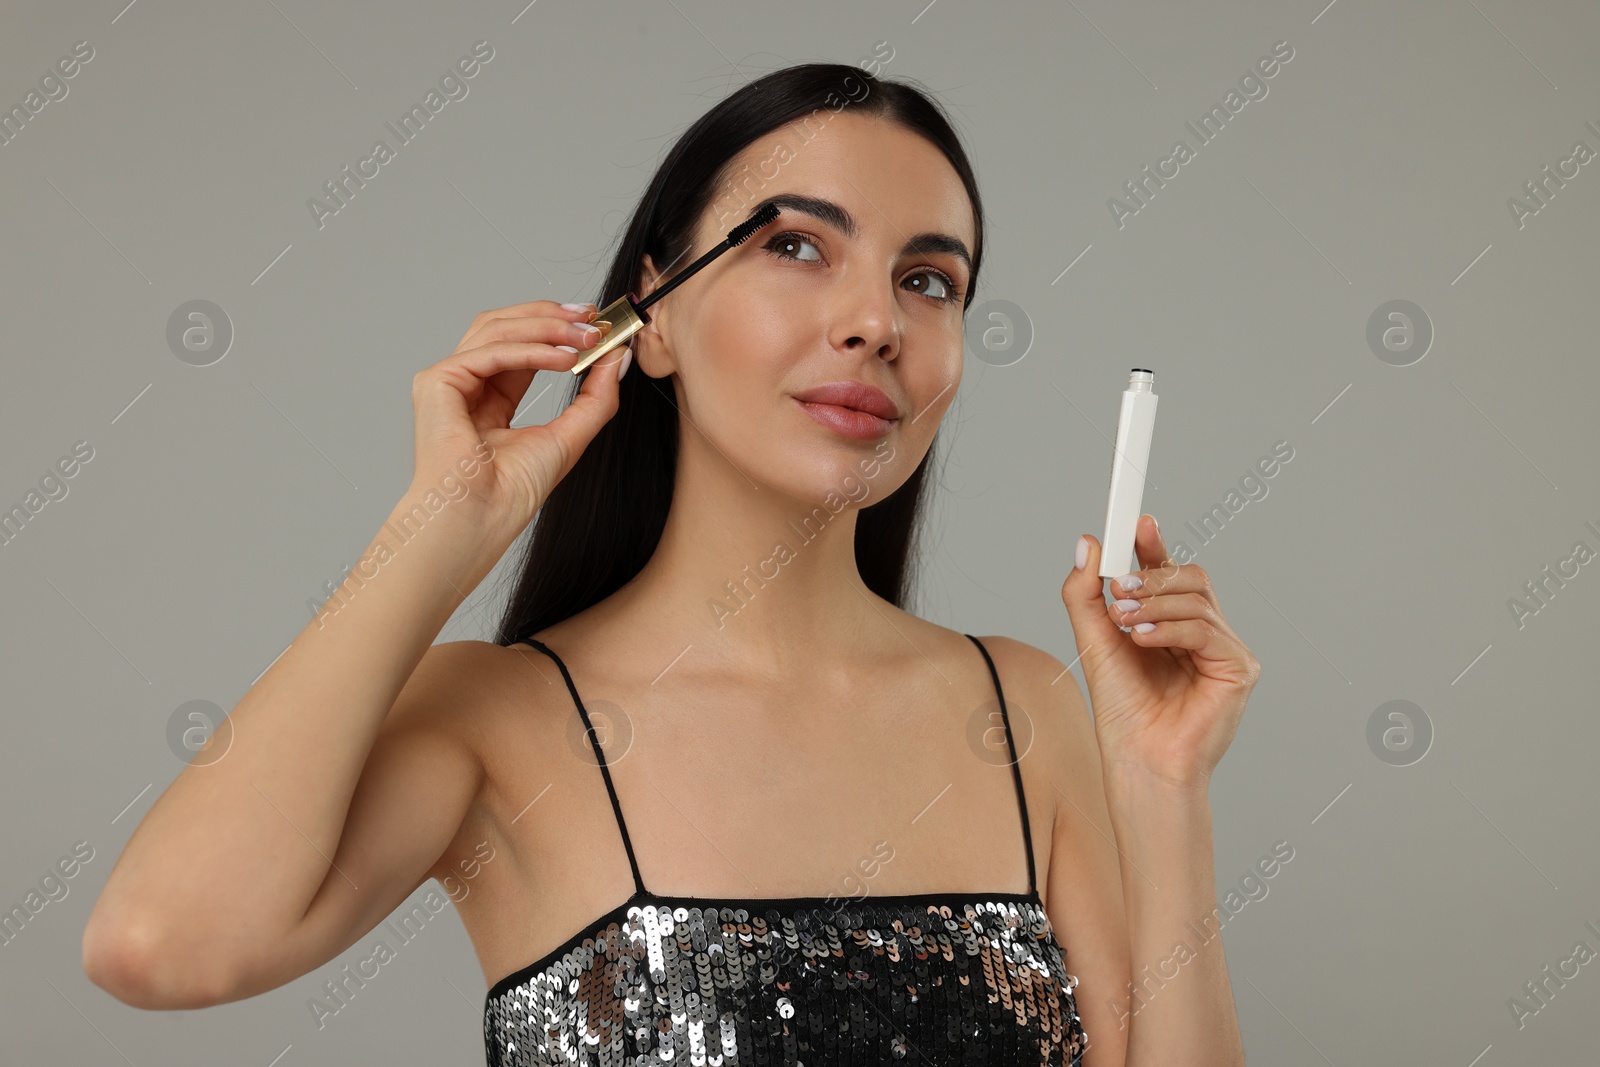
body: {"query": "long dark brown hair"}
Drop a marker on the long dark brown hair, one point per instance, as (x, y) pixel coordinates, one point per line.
(601, 523)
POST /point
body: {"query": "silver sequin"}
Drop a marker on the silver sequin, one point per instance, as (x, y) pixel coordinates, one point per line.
(931, 978)
(945, 980)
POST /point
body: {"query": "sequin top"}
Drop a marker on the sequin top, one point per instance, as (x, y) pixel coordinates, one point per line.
(925, 978)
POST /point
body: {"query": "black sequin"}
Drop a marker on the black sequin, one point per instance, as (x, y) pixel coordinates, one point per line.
(927, 978)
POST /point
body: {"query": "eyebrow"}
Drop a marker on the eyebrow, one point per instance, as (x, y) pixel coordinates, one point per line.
(840, 219)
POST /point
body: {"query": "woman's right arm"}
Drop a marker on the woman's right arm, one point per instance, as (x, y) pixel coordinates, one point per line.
(344, 773)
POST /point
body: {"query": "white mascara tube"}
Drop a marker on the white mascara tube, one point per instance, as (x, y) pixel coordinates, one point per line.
(1136, 424)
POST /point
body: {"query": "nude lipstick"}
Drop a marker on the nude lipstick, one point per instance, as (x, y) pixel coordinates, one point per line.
(854, 409)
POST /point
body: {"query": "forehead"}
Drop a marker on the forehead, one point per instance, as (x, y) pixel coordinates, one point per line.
(894, 181)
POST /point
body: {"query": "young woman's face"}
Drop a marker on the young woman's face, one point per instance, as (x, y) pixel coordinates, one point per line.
(805, 303)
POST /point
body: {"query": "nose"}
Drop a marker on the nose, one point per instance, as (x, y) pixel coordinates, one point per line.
(867, 320)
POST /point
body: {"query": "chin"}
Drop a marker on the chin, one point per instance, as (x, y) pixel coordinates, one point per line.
(849, 475)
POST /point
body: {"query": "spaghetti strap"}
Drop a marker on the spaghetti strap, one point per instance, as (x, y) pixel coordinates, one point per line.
(1016, 767)
(605, 772)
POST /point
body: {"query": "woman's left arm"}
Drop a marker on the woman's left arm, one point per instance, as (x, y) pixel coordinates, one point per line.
(1167, 700)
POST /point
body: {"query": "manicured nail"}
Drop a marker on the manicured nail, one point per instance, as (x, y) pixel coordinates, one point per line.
(1145, 627)
(1081, 558)
(627, 361)
(1128, 605)
(577, 307)
(1131, 581)
(587, 327)
(568, 348)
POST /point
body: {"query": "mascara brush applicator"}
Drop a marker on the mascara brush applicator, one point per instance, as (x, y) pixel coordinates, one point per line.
(627, 316)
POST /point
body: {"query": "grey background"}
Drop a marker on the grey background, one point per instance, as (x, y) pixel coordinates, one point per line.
(1378, 566)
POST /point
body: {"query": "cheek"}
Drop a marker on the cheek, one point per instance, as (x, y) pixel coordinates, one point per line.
(933, 378)
(759, 328)
(751, 347)
(737, 361)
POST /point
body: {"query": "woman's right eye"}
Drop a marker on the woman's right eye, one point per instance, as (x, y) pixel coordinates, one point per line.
(779, 244)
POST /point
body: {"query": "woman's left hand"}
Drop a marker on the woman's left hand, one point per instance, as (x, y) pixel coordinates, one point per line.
(1168, 696)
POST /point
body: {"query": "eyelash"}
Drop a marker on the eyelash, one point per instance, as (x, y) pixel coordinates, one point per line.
(955, 293)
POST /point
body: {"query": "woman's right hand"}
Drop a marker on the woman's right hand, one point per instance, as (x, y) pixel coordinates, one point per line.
(465, 402)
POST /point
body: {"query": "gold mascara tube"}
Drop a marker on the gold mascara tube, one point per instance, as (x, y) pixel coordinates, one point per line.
(620, 320)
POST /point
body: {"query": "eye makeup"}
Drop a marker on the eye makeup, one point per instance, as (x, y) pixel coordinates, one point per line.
(797, 237)
(626, 315)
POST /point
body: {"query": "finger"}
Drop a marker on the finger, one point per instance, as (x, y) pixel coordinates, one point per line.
(597, 399)
(1158, 571)
(1148, 544)
(1083, 593)
(574, 312)
(1197, 636)
(613, 359)
(1168, 580)
(1175, 607)
(541, 328)
(537, 328)
(470, 370)
(485, 385)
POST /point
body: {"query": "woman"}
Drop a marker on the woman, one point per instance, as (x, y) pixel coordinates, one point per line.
(823, 830)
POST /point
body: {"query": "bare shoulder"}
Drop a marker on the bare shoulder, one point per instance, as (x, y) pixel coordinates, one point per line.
(467, 687)
(483, 703)
(1029, 676)
(488, 703)
(450, 684)
(442, 707)
(1036, 676)
(1043, 698)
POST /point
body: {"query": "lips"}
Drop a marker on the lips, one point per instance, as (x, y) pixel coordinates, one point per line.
(853, 396)
(847, 422)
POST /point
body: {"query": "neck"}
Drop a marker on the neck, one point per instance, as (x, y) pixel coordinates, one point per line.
(750, 576)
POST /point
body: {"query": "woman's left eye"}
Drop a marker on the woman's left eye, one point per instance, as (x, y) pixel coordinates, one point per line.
(945, 290)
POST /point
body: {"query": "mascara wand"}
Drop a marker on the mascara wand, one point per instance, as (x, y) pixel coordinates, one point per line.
(621, 320)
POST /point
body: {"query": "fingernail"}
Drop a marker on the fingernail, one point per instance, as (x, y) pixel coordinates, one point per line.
(577, 307)
(1131, 581)
(587, 327)
(1145, 627)
(1128, 605)
(568, 348)
(627, 361)
(1081, 558)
